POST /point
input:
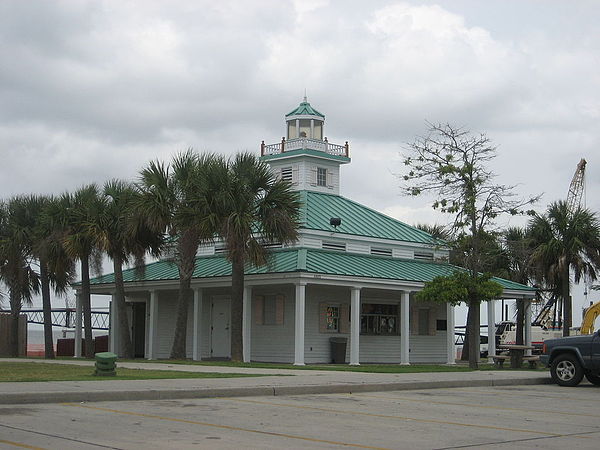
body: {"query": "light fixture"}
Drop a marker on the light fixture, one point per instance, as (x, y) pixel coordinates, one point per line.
(335, 222)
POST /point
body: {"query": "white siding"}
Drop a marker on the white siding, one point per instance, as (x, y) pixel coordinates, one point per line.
(167, 315)
(316, 345)
(274, 343)
(401, 252)
(358, 247)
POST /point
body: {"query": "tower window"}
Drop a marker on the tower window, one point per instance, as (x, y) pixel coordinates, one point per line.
(321, 176)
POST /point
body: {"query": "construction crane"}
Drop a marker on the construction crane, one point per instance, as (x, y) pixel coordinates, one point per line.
(576, 187)
(546, 316)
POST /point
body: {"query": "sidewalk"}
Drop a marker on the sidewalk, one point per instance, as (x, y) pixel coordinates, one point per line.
(302, 382)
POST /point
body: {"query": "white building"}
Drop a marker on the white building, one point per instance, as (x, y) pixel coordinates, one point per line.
(351, 274)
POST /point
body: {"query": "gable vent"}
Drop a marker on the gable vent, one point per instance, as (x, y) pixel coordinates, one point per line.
(381, 251)
(287, 174)
(424, 255)
(334, 246)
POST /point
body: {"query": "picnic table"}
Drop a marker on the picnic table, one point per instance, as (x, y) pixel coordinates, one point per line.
(516, 354)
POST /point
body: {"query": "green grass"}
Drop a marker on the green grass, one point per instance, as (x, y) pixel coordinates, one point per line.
(34, 371)
(373, 368)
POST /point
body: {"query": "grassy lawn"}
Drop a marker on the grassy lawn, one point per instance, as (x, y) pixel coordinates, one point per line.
(28, 371)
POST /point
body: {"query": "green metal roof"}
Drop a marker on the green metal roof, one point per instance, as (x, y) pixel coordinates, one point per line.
(308, 261)
(304, 109)
(357, 219)
(306, 151)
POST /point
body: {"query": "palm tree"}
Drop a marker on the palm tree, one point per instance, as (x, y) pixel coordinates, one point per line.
(565, 241)
(56, 269)
(16, 224)
(83, 208)
(257, 209)
(177, 200)
(123, 239)
(516, 242)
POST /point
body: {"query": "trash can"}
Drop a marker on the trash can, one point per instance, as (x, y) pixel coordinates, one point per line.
(106, 364)
(338, 350)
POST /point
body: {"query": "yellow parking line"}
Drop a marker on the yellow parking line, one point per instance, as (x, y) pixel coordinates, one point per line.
(226, 427)
(17, 444)
(495, 408)
(386, 416)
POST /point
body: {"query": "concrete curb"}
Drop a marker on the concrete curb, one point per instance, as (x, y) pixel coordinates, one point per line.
(173, 394)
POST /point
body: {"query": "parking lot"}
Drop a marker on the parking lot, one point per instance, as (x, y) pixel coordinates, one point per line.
(504, 417)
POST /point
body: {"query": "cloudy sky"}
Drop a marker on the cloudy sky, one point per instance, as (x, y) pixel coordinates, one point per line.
(91, 90)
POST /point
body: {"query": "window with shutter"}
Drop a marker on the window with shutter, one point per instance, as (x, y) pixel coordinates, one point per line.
(321, 176)
(329, 179)
(269, 309)
(313, 176)
(333, 318)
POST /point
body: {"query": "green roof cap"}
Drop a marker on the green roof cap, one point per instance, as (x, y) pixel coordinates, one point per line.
(309, 261)
(357, 219)
(304, 109)
(306, 151)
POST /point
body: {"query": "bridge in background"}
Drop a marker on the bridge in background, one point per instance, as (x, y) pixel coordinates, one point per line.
(65, 317)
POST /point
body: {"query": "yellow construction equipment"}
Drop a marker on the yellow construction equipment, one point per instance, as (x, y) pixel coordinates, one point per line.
(589, 318)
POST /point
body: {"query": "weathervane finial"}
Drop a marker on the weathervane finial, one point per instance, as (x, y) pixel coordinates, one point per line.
(305, 95)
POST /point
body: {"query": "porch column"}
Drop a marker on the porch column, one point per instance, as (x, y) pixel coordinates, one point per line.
(113, 344)
(355, 326)
(527, 326)
(197, 326)
(247, 324)
(450, 348)
(299, 326)
(152, 325)
(491, 318)
(78, 333)
(405, 328)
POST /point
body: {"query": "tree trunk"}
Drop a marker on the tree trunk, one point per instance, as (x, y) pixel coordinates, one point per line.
(567, 304)
(464, 356)
(188, 245)
(520, 321)
(47, 308)
(126, 350)
(15, 312)
(86, 304)
(237, 310)
(474, 334)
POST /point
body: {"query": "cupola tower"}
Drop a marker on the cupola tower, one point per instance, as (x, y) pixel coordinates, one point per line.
(304, 156)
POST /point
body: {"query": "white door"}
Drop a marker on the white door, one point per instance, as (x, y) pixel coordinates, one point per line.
(220, 334)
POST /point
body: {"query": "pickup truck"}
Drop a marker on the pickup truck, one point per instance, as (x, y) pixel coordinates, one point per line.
(571, 358)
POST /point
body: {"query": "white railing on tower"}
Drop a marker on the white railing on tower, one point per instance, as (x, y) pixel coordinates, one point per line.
(304, 143)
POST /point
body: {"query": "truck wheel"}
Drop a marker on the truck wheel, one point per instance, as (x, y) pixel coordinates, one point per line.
(594, 379)
(566, 370)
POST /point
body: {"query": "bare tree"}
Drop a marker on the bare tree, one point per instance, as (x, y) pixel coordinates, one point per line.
(450, 163)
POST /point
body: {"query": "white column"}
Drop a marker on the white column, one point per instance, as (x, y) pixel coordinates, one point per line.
(247, 325)
(405, 328)
(78, 330)
(450, 347)
(527, 326)
(114, 329)
(491, 319)
(299, 327)
(152, 325)
(355, 327)
(197, 326)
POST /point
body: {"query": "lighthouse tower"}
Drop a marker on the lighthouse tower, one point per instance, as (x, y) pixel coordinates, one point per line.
(304, 156)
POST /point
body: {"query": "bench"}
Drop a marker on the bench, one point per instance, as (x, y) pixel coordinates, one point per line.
(499, 360)
(532, 360)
